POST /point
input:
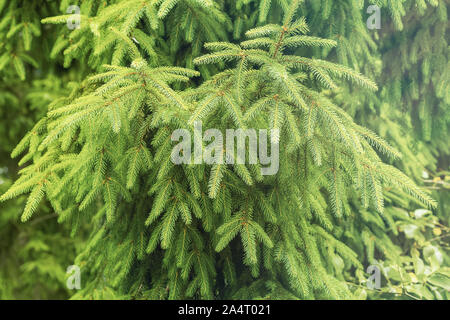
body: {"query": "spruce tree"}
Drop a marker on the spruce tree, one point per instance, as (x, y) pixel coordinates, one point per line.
(100, 152)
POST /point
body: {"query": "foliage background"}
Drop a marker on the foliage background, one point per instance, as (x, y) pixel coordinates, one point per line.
(41, 63)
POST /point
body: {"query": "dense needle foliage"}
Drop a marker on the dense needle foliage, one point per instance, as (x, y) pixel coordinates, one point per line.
(362, 116)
